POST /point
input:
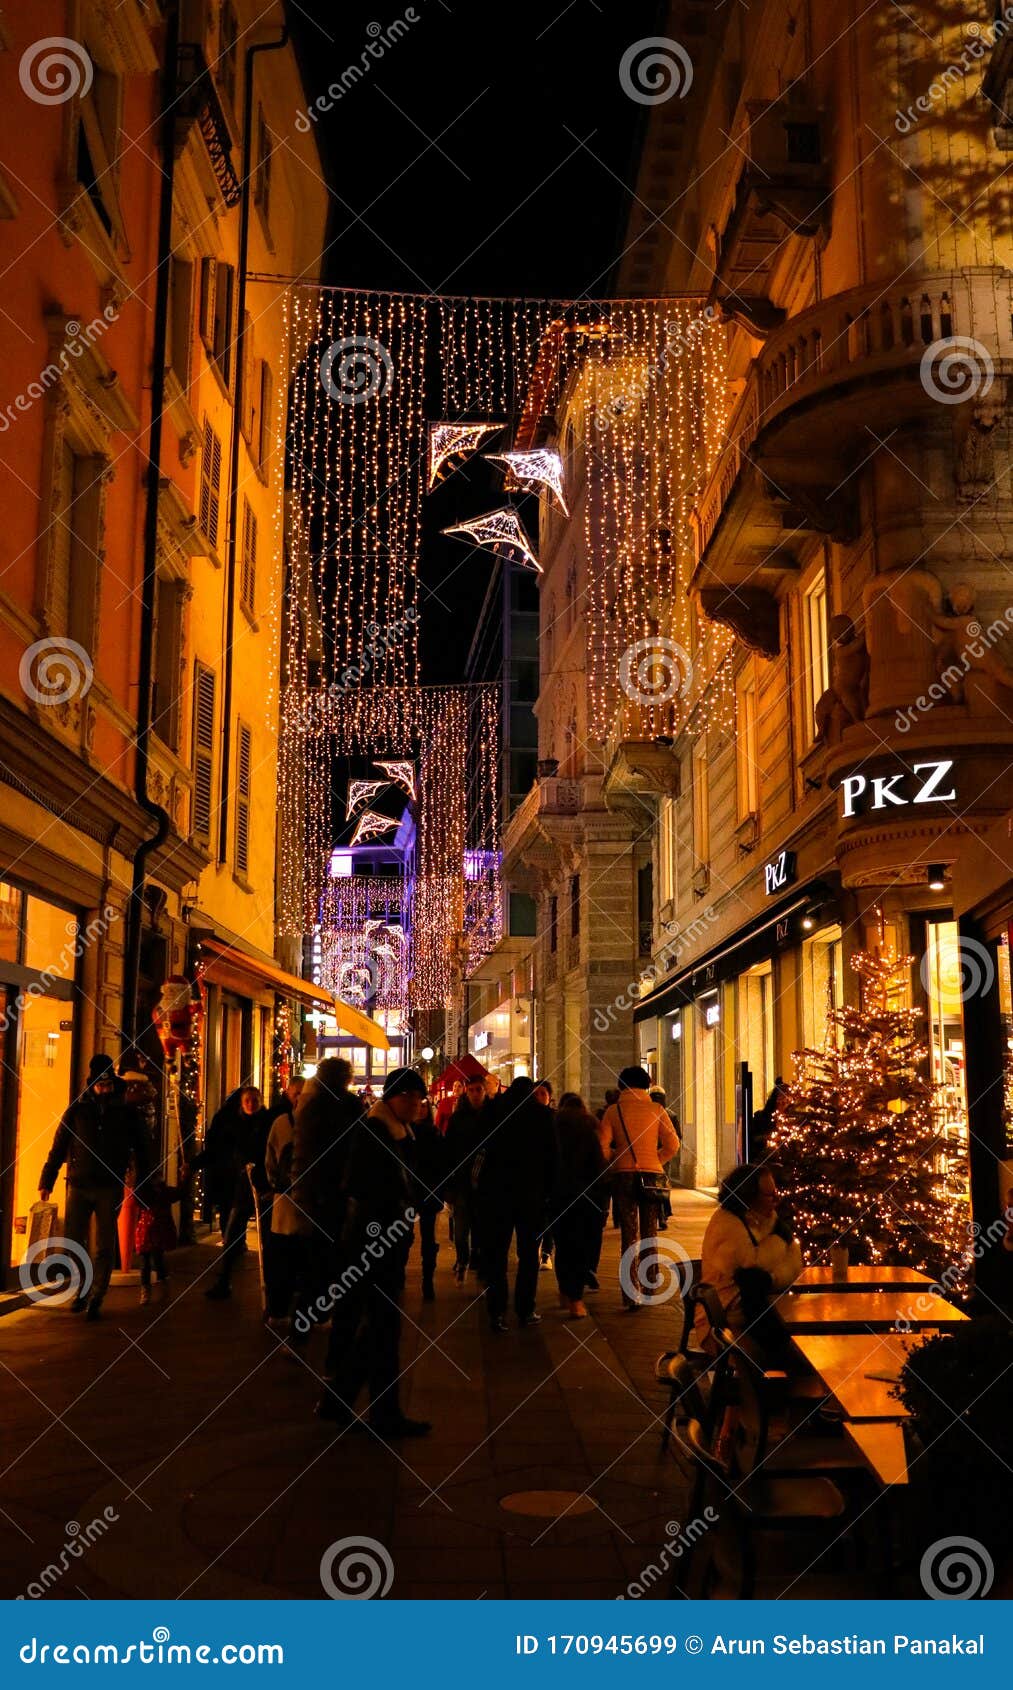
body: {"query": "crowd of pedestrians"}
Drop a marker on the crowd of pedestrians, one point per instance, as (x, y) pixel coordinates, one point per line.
(340, 1184)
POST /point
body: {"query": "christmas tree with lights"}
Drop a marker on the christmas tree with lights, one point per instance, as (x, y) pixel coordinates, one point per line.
(858, 1140)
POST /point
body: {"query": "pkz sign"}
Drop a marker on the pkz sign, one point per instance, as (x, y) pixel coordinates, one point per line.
(923, 783)
(779, 872)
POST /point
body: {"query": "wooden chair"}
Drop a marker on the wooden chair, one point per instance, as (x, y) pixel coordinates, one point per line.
(684, 1372)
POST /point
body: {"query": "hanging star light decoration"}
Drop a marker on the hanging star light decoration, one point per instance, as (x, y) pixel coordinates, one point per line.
(401, 771)
(500, 532)
(360, 792)
(449, 441)
(371, 825)
(531, 471)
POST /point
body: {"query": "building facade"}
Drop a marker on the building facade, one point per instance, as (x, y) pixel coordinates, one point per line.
(142, 564)
(829, 195)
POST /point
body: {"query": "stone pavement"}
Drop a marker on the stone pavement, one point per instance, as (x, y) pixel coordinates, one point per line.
(189, 1436)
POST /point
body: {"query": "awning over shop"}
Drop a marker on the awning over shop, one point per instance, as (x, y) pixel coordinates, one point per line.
(237, 970)
(760, 939)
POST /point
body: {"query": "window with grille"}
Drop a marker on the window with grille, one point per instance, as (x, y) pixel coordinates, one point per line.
(244, 762)
(248, 566)
(203, 750)
(210, 484)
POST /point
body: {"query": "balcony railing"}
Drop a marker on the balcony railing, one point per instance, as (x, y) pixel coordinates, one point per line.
(852, 339)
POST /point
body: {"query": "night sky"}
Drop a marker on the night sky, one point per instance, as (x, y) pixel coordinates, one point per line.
(488, 151)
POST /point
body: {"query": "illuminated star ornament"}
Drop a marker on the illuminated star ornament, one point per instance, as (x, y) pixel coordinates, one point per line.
(530, 471)
(399, 770)
(371, 825)
(361, 792)
(500, 532)
(451, 443)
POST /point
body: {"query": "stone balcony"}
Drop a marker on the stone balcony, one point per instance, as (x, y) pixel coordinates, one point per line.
(820, 384)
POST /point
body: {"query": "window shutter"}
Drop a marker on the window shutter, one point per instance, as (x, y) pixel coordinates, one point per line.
(203, 750)
(266, 404)
(248, 573)
(208, 293)
(249, 383)
(210, 484)
(243, 775)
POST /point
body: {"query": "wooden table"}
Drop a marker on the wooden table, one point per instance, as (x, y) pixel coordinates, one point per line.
(863, 1279)
(880, 1443)
(844, 1361)
(863, 1311)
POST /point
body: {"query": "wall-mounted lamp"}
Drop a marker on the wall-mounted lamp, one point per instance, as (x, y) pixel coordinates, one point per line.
(936, 877)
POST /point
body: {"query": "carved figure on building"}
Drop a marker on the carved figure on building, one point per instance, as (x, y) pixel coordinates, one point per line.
(899, 611)
(846, 699)
(967, 661)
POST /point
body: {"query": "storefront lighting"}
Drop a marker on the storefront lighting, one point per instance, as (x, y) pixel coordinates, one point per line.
(427, 1053)
(712, 1014)
(676, 1031)
(936, 875)
(808, 922)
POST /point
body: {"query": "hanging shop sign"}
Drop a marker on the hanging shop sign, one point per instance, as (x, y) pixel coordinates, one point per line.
(779, 873)
(922, 783)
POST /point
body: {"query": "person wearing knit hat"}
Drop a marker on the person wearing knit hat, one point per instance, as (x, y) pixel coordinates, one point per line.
(383, 1201)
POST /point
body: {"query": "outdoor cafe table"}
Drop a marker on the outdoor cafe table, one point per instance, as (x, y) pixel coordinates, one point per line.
(862, 1279)
(863, 1311)
(873, 1416)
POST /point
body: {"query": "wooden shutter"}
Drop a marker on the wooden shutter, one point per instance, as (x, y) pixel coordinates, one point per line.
(203, 750)
(266, 405)
(210, 484)
(249, 382)
(181, 319)
(244, 760)
(248, 571)
(208, 294)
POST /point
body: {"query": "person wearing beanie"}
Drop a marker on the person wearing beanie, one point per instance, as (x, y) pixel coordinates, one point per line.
(96, 1138)
(379, 1226)
(637, 1137)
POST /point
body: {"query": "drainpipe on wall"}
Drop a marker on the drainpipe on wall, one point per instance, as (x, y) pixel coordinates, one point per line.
(238, 399)
(135, 908)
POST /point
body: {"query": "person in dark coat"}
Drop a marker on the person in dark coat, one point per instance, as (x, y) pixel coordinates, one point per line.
(578, 1214)
(324, 1126)
(430, 1170)
(366, 1296)
(516, 1180)
(216, 1160)
(247, 1146)
(466, 1131)
(96, 1138)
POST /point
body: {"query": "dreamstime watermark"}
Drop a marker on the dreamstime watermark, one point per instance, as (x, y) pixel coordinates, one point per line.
(355, 370)
(78, 1539)
(949, 684)
(679, 1538)
(655, 69)
(629, 997)
(955, 1275)
(382, 1240)
(956, 1569)
(380, 640)
(981, 38)
(655, 670)
(376, 47)
(654, 1270)
(55, 670)
(77, 340)
(975, 969)
(680, 337)
(79, 939)
(956, 369)
(55, 1271)
(55, 70)
(356, 1569)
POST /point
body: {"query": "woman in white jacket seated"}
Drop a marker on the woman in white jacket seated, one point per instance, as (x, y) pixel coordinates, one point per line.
(746, 1231)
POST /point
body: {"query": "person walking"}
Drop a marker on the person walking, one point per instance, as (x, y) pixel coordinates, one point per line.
(466, 1132)
(638, 1138)
(282, 1237)
(247, 1146)
(430, 1168)
(516, 1179)
(96, 1138)
(326, 1118)
(579, 1218)
(216, 1160)
(376, 1239)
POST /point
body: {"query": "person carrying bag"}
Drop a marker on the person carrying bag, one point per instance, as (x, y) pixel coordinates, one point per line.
(638, 1138)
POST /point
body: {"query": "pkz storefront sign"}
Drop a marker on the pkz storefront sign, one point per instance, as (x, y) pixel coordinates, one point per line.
(779, 872)
(923, 783)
